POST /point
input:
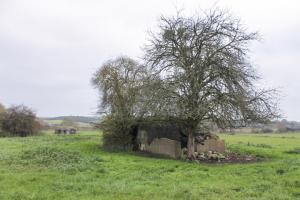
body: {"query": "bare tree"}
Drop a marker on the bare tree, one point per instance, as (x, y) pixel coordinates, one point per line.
(206, 76)
(20, 121)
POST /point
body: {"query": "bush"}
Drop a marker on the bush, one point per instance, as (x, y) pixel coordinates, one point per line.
(2, 111)
(116, 133)
(20, 121)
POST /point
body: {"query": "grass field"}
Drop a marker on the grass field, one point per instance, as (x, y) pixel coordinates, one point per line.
(53, 122)
(58, 123)
(75, 167)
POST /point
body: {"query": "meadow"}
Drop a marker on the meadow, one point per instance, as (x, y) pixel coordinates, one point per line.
(75, 167)
(58, 122)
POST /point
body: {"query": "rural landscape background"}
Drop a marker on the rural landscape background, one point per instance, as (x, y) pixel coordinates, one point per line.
(149, 100)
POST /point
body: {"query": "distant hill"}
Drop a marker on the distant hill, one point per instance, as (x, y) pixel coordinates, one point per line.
(80, 119)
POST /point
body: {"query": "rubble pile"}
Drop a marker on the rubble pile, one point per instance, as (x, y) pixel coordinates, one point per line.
(215, 157)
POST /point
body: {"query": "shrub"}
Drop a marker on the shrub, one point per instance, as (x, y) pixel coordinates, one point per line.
(20, 121)
(116, 133)
(2, 111)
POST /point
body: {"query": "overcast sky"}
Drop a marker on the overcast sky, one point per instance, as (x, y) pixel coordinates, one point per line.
(49, 49)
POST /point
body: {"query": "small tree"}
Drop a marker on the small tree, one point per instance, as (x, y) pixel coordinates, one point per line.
(205, 72)
(119, 82)
(20, 121)
(2, 112)
(2, 109)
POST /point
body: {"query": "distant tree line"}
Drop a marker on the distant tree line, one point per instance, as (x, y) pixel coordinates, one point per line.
(195, 72)
(82, 119)
(277, 126)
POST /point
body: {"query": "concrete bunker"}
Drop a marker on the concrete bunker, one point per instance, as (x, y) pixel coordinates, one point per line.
(167, 139)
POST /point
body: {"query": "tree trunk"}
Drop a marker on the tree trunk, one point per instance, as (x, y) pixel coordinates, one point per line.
(191, 145)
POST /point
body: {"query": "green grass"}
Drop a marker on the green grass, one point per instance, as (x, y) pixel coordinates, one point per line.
(75, 167)
(53, 122)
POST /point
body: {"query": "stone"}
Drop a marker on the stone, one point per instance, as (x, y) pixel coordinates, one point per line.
(221, 157)
(214, 145)
(213, 156)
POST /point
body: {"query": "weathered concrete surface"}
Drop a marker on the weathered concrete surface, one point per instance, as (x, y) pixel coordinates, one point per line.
(164, 146)
(211, 145)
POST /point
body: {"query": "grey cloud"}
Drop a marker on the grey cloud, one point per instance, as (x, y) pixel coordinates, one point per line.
(50, 49)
